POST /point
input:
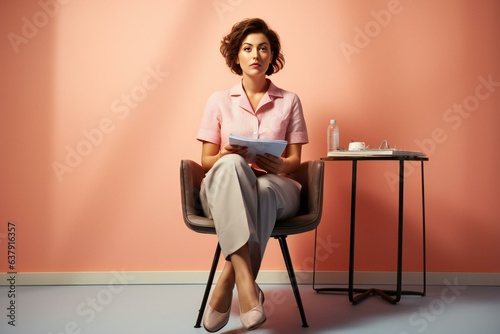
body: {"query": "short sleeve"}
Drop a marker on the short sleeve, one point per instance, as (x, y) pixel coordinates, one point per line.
(297, 129)
(210, 129)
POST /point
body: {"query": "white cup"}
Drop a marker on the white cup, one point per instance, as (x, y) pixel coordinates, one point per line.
(356, 146)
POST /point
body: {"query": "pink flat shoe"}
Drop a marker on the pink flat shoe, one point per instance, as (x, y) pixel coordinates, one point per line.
(214, 321)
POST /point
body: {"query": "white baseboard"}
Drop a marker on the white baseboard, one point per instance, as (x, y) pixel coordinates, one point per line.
(265, 277)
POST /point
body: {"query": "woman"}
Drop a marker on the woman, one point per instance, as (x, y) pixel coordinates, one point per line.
(245, 199)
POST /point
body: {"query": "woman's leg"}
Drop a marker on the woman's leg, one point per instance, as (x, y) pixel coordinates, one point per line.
(221, 296)
(278, 198)
(244, 279)
(236, 271)
(229, 197)
(244, 213)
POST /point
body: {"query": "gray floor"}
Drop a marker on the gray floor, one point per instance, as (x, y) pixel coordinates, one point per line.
(173, 308)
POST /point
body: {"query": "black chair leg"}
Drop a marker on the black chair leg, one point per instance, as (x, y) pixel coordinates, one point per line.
(215, 262)
(293, 280)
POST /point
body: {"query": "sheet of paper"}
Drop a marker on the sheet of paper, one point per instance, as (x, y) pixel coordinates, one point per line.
(258, 146)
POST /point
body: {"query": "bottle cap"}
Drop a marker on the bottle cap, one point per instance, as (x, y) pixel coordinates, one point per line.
(332, 121)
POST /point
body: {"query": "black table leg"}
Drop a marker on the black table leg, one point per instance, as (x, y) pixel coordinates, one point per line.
(400, 229)
(424, 247)
(353, 225)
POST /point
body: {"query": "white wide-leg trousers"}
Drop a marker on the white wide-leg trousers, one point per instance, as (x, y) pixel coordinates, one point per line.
(244, 207)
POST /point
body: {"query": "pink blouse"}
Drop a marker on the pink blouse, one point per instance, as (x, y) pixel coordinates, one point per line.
(278, 116)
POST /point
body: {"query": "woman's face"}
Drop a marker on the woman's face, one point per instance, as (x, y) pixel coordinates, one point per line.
(255, 55)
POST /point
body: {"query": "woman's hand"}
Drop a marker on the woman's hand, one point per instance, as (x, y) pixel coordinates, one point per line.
(270, 163)
(286, 164)
(210, 153)
(233, 149)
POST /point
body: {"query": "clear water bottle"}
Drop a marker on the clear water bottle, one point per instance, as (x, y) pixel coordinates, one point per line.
(333, 136)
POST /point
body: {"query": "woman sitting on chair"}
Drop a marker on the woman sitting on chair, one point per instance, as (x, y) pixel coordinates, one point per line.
(246, 199)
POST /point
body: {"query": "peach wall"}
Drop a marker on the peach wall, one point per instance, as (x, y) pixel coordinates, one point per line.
(123, 84)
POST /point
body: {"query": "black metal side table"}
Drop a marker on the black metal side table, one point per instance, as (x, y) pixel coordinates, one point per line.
(357, 295)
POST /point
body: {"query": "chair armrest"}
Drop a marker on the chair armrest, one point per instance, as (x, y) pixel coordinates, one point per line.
(310, 175)
(191, 176)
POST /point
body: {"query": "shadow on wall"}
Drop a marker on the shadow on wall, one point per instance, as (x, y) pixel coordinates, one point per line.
(26, 125)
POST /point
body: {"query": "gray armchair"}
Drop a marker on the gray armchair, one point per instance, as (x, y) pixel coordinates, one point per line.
(310, 175)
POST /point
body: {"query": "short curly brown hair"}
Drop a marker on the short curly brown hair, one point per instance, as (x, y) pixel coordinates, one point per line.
(231, 43)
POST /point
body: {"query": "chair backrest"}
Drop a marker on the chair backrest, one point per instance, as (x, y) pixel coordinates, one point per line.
(310, 175)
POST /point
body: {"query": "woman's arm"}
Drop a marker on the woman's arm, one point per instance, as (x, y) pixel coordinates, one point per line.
(209, 155)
